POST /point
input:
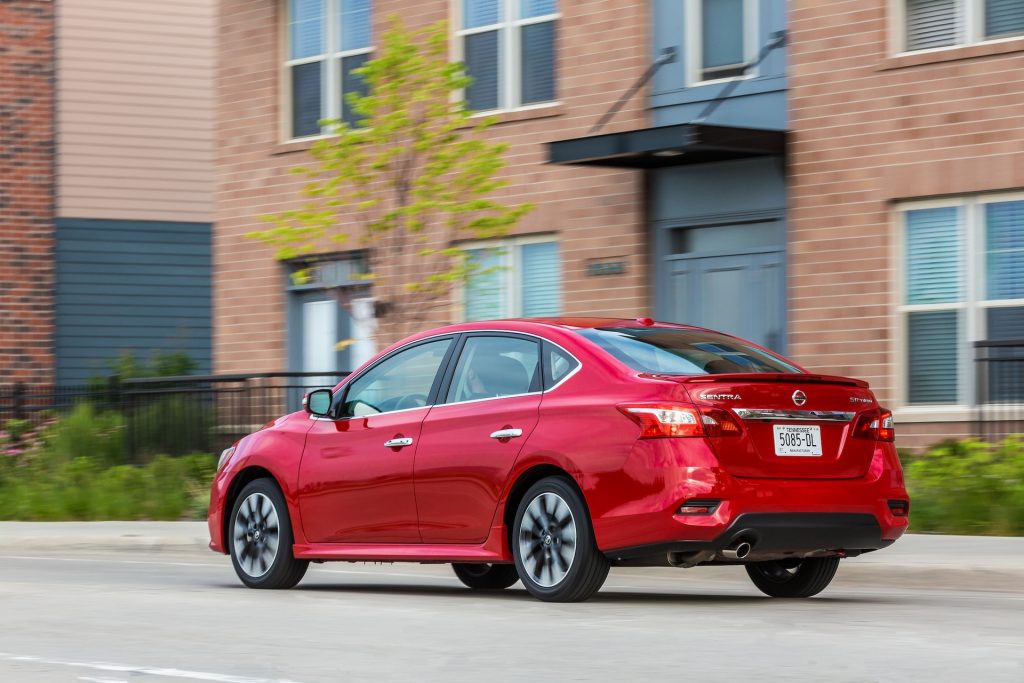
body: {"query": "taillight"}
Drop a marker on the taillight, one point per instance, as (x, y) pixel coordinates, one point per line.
(877, 425)
(659, 421)
(718, 422)
(663, 420)
(886, 427)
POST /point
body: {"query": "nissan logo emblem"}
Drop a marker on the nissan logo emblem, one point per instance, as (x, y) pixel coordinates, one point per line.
(799, 397)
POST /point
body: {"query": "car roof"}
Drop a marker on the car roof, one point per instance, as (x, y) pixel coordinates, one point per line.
(569, 323)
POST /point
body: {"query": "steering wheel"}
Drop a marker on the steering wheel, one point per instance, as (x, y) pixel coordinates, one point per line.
(411, 401)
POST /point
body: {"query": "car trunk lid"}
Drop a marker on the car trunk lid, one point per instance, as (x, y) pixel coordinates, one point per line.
(795, 425)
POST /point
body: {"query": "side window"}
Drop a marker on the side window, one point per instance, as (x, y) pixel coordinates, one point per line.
(490, 367)
(402, 381)
(557, 365)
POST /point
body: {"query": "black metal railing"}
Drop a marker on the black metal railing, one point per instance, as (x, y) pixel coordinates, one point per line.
(999, 383)
(169, 415)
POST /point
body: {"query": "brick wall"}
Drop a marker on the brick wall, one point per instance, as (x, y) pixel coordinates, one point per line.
(595, 212)
(870, 129)
(26, 190)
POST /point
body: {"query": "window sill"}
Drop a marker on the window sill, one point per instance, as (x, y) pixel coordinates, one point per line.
(953, 53)
(297, 145)
(537, 111)
(925, 414)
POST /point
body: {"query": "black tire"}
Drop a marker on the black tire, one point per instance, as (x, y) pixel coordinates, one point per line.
(793, 579)
(260, 538)
(486, 577)
(543, 536)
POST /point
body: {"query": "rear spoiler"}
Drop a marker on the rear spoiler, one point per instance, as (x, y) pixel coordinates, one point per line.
(784, 377)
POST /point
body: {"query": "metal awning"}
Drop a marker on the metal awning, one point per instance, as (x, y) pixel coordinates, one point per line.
(678, 145)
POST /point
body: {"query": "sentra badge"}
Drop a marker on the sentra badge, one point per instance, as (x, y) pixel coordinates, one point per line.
(720, 397)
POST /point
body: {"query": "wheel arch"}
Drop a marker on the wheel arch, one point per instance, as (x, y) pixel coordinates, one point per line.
(240, 481)
(523, 483)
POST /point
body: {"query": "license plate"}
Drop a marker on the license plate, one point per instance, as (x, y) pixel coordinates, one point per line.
(797, 440)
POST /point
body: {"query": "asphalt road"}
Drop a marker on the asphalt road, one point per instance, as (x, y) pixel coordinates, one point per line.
(118, 616)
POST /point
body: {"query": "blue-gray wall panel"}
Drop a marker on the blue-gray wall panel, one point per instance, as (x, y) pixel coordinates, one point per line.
(757, 102)
(130, 286)
(728, 188)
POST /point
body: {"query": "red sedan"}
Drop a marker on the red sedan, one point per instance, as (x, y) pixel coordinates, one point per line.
(546, 451)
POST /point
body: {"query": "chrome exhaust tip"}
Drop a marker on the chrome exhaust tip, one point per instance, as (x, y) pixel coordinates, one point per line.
(737, 552)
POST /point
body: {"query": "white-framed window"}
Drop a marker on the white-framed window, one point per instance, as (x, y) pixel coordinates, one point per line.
(519, 277)
(721, 39)
(932, 24)
(962, 282)
(324, 41)
(509, 50)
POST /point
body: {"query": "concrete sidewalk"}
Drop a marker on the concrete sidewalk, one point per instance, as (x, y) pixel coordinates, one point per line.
(106, 536)
(933, 552)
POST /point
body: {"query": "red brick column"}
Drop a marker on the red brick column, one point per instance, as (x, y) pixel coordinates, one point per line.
(26, 190)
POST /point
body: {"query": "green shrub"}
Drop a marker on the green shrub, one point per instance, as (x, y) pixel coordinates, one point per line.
(968, 487)
(17, 428)
(47, 488)
(176, 423)
(167, 497)
(121, 493)
(86, 433)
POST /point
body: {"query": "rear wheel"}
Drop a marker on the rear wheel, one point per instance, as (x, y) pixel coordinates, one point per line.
(793, 578)
(486, 576)
(553, 544)
(260, 539)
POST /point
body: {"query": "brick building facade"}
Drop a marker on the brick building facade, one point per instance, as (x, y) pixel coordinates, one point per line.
(26, 190)
(900, 145)
(592, 215)
(838, 181)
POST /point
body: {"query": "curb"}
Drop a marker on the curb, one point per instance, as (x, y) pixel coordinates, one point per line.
(107, 536)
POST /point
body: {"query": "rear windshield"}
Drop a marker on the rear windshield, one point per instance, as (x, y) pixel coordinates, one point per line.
(683, 352)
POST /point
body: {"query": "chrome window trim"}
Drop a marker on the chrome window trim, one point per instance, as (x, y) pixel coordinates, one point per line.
(569, 375)
(364, 417)
(769, 414)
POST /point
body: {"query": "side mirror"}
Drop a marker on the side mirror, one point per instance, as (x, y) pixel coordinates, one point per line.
(318, 402)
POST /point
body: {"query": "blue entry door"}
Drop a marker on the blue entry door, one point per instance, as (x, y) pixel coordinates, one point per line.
(742, 294)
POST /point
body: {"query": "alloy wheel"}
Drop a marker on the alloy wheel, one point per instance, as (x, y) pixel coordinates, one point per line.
(547, 539)
(256, 534)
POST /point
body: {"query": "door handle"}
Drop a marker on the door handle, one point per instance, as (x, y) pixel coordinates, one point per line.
(506, 433)
(398, 443)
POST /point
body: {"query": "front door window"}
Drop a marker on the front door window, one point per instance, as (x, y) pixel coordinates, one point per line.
(400, 382)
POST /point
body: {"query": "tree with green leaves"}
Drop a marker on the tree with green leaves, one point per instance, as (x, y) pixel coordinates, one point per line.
(408, 184)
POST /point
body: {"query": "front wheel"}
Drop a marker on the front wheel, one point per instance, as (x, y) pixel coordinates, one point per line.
(261, 538)
(488, 577)
(793, 578)
(553, 544)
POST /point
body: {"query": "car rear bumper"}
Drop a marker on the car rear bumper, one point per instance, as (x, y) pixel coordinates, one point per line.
(779, 516)
(771, 536)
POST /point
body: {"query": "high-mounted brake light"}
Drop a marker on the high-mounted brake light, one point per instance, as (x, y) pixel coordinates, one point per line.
(659, 421)
(877, 425)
